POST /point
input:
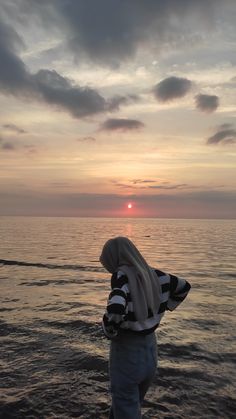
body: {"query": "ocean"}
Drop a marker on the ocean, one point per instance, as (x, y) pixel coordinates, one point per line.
(53, 292)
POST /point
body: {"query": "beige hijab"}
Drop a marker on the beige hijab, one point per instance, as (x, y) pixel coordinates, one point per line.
(121, 253)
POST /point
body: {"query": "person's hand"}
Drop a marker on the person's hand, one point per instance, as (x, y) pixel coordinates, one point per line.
(110, 331)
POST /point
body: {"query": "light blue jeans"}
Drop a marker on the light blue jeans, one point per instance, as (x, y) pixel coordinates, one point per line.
(132, 367)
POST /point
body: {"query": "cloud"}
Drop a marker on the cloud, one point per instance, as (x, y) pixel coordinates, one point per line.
(231, 84)
(110, 31)
(78, 101)
(115, 102)
(6, 145)
(14, 77)
(178, 186)
(59, 91)
(133, 184)
(49, 85)
(88, 139)
(14, 128)
(46, 85)
(11, 145)
(121, 124)
(137, 184)
(171, 88)
(137, 181)
(207, 103)
(225, 134)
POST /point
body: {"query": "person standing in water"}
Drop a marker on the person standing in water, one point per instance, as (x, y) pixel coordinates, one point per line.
(139, 297)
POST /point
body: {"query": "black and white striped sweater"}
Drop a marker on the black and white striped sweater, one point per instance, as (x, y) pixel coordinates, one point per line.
(120, 315)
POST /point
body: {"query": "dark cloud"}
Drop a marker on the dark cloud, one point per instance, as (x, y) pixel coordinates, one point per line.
(48, 85)
(111, 31)
(14, 128)
(225, 134)
(108, 31)
(121, 124)
(45, 84)
(60, 92)
(171, 88)
(207, 103)
(115, 102)
(14, 77)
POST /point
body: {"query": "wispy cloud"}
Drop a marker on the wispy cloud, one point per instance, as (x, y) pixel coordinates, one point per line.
(167, 187)
(121, 124)
(115, 102)
(7, 145)
(140, 181)
(172, 88)
(207, 103)
(137, 184)
(88, 139)
(225, 134)
(14, 128)
(12, 145)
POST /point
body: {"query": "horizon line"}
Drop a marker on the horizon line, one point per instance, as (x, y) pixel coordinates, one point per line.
(116, 217)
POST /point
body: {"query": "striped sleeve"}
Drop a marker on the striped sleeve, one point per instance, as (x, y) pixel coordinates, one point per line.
(179, 289)
(116, 305)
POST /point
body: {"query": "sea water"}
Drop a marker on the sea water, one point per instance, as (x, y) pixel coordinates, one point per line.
(53, 293)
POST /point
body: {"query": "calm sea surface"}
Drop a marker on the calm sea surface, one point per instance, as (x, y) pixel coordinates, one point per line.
(53, 291)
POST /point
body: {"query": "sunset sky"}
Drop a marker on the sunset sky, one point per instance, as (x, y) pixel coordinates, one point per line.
(111, 102)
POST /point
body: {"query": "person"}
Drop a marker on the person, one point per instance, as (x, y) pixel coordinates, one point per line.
(139, 297)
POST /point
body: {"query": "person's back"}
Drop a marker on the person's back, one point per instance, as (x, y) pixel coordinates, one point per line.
(120, 313)
(139, 297)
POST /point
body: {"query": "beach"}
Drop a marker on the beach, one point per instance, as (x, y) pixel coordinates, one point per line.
(54, 356)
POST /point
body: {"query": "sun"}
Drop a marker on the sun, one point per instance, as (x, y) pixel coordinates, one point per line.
(129, 205)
